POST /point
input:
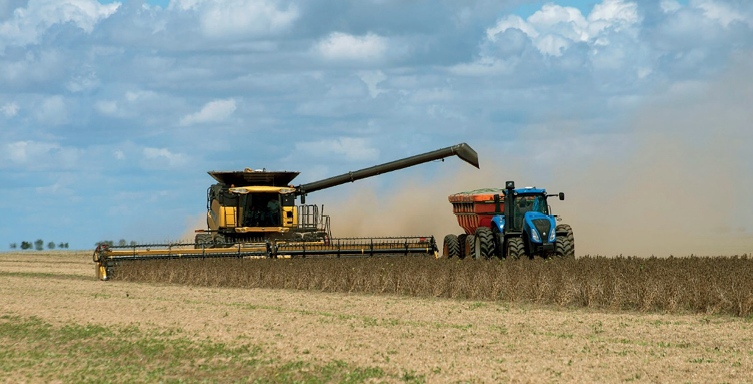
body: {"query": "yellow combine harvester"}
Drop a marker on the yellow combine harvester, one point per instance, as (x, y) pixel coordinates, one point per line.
(253, 213)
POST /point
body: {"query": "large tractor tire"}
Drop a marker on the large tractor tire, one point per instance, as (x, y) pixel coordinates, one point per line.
(516, 248)
(470, 243)
(484, 244)
(461, 241)
(565, 245)
(451, 247)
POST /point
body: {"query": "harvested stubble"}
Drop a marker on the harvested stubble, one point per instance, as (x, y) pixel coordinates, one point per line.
(693, 284)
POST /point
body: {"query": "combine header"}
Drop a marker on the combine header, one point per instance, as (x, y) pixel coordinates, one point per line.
(253, 214)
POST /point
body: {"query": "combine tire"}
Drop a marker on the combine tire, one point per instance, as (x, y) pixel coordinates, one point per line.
(203, 239)
(515, 248)
(461, 242)
(565, 244)
(470, 243)
(484, 244)
(451, 247)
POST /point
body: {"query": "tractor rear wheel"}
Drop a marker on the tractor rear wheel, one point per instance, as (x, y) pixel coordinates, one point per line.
(470, 243)
(461, 242)
(515, 248)
(484, 244)
(565, 244)
(451, 247)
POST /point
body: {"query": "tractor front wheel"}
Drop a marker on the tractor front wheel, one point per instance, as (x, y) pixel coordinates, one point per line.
(515, 248)
(484, 244)
(451, 247)
(565, 244)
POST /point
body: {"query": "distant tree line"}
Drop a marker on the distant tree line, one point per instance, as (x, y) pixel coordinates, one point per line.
(38, 245)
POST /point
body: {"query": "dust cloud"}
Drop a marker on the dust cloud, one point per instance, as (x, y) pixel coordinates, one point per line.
(674, 179)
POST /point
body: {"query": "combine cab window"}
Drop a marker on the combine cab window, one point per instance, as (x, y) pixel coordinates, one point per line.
(261, 210)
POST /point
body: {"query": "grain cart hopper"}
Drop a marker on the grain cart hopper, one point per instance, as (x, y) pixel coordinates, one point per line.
(253, 213)
(507, 223)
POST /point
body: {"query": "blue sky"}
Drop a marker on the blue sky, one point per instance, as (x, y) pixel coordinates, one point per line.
(112, 112)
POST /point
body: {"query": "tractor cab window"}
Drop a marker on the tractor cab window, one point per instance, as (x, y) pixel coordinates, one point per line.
(528, 203)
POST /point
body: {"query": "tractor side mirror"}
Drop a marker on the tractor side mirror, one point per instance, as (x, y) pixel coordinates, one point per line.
(562, 195)
(303, 199)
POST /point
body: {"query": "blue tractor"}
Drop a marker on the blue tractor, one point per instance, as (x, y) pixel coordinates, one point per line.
(508, 223)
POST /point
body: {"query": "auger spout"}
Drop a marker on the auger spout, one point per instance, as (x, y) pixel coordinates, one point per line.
(463, 151)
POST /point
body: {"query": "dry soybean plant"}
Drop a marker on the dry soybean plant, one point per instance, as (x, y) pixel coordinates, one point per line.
(675, 285)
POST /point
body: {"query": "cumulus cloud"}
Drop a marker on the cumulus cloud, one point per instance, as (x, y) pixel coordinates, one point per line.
(39, 155)
(372, 80)
(9, 109)
(350, 148)
(213, 112)
(29, 23)
(241, 18)
(721, 12)
(162, 158)
(554, 28)
(342, 46)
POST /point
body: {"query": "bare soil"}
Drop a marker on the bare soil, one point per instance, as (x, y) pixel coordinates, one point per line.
(435, 340)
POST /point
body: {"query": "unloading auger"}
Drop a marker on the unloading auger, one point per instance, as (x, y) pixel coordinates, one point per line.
(253, 214)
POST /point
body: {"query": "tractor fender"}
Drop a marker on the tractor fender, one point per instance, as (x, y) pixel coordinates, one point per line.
(499, 222)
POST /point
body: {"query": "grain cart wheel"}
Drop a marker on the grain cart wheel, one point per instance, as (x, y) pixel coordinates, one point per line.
(565, 246)
(470, 243)
(461, 243)
(451, 247)
(515, 248)
(484, 245)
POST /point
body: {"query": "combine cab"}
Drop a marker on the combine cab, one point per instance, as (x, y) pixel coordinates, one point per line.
(253, 213)
(508, 222)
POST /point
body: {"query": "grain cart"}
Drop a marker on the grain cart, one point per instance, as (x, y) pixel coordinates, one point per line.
(506, 223)
(253, 213)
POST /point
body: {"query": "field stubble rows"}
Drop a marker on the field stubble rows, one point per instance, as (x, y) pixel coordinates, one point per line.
(675, 285)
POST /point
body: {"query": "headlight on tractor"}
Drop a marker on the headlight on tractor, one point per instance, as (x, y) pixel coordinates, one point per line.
(552, 234)
(535, 235)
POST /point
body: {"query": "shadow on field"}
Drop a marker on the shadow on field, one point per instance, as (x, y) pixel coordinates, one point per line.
(711, 285)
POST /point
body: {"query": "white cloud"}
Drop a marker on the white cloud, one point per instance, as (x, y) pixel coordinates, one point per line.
(341, 46)
(554, 28)
(669, 6)
(720, 12)
(372, 80)
(507, 22)
(36, 155)
(52, 111)
(485, 66)
(9, 109)
(163, 158)
(213, 112)
(106, 107)
(231, 18)
(352, 149)
(28, 24)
